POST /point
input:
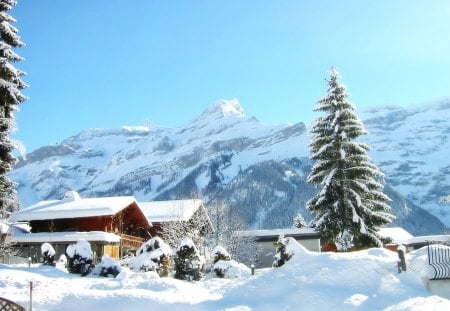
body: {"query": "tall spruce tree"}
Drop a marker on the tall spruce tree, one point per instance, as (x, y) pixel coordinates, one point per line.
(350, 201)
(10, 97)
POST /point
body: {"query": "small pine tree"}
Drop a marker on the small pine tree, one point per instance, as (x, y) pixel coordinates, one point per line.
(220, 254)
(299, 222)
(10, 98)
(189, 264)
(350, 200)
(283, 253)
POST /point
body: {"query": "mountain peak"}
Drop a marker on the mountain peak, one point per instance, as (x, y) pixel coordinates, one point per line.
(225, 108)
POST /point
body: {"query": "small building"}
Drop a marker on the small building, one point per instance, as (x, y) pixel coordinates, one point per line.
(112, 225)
(421, 241)
(396, 235)
(400, 236)
(266, 239)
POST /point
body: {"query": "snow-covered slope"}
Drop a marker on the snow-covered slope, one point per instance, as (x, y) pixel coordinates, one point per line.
(411, 146)
(258, 169)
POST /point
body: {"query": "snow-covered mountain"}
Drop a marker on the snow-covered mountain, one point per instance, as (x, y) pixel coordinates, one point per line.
(259, 170)
(411, 146)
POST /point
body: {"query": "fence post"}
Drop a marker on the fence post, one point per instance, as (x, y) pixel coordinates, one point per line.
(31, 296)
(401, 255)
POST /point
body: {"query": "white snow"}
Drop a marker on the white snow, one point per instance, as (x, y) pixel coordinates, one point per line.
(232, 269)
(149, 254)
(187, 243)
(105, 264)
(174, 210)
(397, 234)
(4, 227)
(47, 248)
(72, 206)
(82, 248)
(363, 280)
(69, 236)
(220, 251)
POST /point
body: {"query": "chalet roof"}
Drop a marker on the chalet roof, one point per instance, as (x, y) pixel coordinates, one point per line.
(72, 236)
(397, 234)
(73, 206)
(167, 211)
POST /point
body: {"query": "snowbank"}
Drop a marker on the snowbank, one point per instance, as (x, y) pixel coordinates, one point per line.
(363, 280)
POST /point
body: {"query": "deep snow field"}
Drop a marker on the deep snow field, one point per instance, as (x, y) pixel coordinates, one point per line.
(362, 280)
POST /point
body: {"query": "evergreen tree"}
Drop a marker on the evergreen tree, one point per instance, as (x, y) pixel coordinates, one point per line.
(10, 98)
(350, 201)
(189, 264)
(299, 222)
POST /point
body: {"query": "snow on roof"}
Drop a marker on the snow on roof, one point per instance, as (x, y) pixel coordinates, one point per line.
(174, 210)
(72, 206)
(397, 234)
(278, 232)
(54, 237)
(428, 238)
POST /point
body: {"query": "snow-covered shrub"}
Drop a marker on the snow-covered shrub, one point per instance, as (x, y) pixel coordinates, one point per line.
(344, 242)
(62, 260)
(80, 257)
(231, 269)
(48, 254)
(108, 267)
(189, 264)
(220, 253)
(283, 252)
(223, 265)
(155, 255)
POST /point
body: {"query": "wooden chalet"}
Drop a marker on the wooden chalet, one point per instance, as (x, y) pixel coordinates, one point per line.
(112, 225)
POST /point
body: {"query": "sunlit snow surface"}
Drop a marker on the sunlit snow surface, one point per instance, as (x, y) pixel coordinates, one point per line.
(364, 280)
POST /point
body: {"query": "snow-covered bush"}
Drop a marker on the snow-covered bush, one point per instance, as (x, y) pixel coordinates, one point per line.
(108, 267)
(155, 255)
(284, 253)
(225, 267)
(230, 269)
(189, 264)
(80, 257)
(220, 253)
(62, 260)
(48, 254)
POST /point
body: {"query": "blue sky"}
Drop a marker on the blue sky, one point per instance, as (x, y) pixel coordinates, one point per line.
(108, 63)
